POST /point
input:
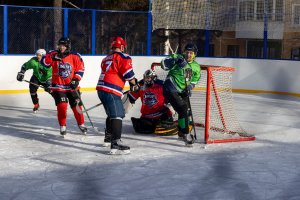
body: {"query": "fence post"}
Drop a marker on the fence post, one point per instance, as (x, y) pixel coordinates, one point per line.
(66, 18)
(5, 30)
(93, 32)
(149, 31)
(265, 47)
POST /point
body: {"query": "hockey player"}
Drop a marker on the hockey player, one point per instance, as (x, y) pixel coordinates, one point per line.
(41, 76)
(183, 75)
(68, 69)
(154, 111)
(116, 68)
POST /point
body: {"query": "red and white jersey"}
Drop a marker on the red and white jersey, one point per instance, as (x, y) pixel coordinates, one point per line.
(116, 69)
(153, 100)
(71, 66)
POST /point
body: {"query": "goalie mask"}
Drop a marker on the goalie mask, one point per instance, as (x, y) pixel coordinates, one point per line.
(149, 77)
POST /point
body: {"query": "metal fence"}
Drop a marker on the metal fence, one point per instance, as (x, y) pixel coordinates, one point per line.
(26, 29)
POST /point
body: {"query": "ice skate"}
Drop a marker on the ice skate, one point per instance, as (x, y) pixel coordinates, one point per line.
(117, 148)
(36, 108)
(63, 130)
(83, 128)
(107, 139)
(188, 139)
(180, 135)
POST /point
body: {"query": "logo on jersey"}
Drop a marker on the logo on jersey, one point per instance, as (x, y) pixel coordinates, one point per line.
(64, 70)
(150, 99)
(188, 74)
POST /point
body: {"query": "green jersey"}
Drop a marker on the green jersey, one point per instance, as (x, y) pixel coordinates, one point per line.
(182, 77)
(39, 71)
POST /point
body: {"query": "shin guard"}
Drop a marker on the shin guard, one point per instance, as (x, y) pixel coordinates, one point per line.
(116, 128)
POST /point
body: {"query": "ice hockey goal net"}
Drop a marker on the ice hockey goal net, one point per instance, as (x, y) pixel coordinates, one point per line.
(213, 106)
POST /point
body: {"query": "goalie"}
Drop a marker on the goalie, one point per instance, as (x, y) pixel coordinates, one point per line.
(156, 116)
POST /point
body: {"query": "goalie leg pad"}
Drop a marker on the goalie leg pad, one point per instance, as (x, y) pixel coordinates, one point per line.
(126, 103)
(143, 126)
(163, 131)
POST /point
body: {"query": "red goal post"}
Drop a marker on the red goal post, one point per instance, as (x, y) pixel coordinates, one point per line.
(213, 106)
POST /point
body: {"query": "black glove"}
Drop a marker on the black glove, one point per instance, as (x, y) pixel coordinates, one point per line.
(47, 85)
(188, 91)
(181, 62)
(74, 83)
(134, 87)
(55, 57)
(47, 89)
(20, 76)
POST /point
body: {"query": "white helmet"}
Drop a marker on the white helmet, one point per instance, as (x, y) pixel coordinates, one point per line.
(40, 52)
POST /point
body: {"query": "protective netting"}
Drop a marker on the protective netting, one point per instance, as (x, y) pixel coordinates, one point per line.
(223, 122)
(224, 15)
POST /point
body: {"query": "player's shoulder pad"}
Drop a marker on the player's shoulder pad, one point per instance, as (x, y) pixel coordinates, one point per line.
(76, 54)
(124, 55)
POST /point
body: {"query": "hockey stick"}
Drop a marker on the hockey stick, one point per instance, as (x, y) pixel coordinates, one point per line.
(88, 109)
(87, 114)
(95, 106)
(190, 107)
(70, 3)
(168, 43)
(33, 84)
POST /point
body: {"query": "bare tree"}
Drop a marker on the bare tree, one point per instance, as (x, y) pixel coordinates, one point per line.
(58, 26)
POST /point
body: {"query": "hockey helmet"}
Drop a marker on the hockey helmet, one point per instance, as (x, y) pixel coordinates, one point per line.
(41, 52)
(191, 47)
(65, 41)
(149, 77)
(117, 42)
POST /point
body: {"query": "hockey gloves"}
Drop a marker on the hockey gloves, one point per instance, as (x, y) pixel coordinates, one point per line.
(188, 90)
(47, 89)
(74, 83)
(134, 87)
(55, 56)
(20, 76)
(181, 62)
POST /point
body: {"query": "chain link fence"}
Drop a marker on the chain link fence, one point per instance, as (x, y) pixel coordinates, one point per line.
(249, 29)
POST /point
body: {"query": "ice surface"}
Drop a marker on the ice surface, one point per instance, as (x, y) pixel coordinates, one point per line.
(37, 164)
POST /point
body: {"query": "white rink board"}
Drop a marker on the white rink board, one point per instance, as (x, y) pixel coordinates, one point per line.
(251, 74)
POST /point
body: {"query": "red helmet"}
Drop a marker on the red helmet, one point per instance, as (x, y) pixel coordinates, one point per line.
(117, 42)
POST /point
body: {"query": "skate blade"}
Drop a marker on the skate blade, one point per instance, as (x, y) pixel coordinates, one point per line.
(63, 135)
(118, 152)
(34, 112)
(106, 144)
(188, 145)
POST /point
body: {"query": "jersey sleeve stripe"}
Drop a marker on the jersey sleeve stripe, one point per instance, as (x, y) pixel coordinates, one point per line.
(128, 75)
